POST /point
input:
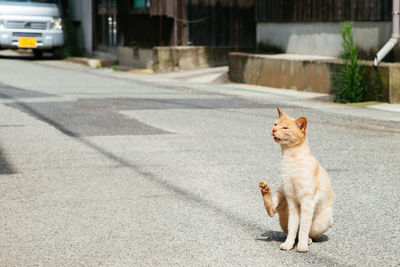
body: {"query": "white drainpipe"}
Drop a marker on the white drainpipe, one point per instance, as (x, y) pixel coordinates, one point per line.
(395, 34)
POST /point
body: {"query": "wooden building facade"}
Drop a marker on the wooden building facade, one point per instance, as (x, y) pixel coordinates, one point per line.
(186, 22)
(323, 10)
(222, 22)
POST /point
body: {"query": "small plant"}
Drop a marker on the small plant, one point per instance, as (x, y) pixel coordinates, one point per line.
(115, 68)
(349, 80)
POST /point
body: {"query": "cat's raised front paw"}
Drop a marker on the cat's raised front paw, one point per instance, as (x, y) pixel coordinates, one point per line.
(264, 187)
(286, 246)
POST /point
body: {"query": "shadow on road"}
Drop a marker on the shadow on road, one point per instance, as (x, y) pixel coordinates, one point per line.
(19, 57)
(16, 55)
(270, 236)
(5, 166)
(280, 236)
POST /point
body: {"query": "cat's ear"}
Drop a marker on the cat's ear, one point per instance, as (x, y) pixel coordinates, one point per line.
(281, 112)
(302, 123)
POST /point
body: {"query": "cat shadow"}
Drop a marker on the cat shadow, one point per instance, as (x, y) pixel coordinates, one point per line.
(279, 236)
(270, 236)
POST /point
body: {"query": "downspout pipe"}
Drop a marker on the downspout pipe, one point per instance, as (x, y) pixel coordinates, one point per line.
(395, 34)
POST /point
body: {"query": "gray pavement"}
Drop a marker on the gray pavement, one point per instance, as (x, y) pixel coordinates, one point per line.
(103, 168)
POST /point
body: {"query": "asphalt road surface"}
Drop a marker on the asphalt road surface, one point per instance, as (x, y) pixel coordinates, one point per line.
(103, 169)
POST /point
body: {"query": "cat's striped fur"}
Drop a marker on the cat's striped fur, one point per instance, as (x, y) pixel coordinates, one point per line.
(304, 201)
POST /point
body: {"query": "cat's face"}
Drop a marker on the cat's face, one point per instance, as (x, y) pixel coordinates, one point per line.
(288, 131)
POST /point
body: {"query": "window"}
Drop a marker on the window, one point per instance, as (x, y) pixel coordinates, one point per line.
(45, 1)
(107, 28)
(141, 4)
(108, 3)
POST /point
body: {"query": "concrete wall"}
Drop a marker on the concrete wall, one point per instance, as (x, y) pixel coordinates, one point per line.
(394, 84)
(174, 58)
(303, 73)
(310, 73)
(321, 38)
(140, 58)
(189, 57)
(81, 11)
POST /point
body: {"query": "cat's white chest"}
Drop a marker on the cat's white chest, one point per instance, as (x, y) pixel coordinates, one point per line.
(296, 168)
(296, 176)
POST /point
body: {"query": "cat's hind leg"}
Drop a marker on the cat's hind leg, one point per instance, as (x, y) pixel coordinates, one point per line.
(322, 221)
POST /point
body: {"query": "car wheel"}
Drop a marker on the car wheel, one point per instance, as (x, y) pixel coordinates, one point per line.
(58, 53)
(38, 53)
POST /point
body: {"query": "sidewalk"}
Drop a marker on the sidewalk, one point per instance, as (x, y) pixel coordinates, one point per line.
(98, 60)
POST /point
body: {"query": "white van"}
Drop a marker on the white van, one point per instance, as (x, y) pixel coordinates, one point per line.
(33, 24)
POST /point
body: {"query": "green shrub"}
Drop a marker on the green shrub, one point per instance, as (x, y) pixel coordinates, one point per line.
(349, 80)
(115, 68)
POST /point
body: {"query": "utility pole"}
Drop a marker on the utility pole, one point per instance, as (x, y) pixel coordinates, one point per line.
(161, 27)
(236, 26)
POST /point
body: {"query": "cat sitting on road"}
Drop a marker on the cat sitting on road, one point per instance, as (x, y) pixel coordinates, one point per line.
(304, 201)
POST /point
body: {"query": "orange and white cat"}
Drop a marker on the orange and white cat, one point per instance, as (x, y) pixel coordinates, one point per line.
(304, 201)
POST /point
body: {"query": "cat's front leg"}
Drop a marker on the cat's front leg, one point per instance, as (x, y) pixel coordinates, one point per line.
(267, 197)
(293, 224)
(306, 215)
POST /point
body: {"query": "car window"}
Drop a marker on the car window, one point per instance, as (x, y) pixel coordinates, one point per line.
(34, 1)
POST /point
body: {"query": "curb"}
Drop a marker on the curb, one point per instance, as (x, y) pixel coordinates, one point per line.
(92, 62)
